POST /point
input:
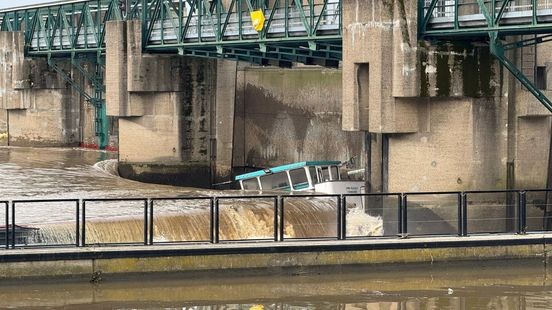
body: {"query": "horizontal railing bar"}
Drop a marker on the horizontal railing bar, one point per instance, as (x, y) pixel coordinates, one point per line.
(246, 197)
(44, 200)
(431, 193)
(247, 240)
(181, 198)
(371, 194)
(113, 199)
(311, 196)
(493, 191)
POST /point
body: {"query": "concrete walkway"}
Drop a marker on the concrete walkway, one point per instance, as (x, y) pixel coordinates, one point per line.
(87, 261)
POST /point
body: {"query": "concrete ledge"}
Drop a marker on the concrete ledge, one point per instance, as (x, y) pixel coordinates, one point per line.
(52, 262)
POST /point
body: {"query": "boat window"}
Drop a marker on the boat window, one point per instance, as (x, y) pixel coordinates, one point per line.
(275, 181)
(324, 174)
(314, 175)
(299, 179)
(335, 173)
(250, 184)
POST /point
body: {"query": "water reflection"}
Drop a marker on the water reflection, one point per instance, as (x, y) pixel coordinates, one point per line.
(441, 286)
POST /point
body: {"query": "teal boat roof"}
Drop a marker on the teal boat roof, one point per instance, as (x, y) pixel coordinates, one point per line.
(277, 169)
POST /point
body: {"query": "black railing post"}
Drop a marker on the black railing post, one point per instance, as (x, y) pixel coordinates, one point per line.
(13, 226)
(7, 224)
(339, 220)
(77, 224)
(464, 214)
(212, 220)
(400, 215)
(145, 222)
(276, 234)
(405, 216)
(217, 219)
(522, 213)
(83, 234)
(343, 217)
(460, 222)
(151, 222)
(282, 219)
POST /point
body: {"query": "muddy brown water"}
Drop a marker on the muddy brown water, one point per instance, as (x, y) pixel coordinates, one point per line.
(483, 285)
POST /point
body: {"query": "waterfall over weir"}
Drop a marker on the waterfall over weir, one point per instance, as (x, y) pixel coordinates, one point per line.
(239, 220)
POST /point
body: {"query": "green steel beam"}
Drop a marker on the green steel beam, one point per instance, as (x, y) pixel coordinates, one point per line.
(79, 27)
(497, 49)
(96, 99)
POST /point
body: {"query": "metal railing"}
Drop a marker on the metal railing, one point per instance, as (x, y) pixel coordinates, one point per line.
(403, 215)
(474, 17)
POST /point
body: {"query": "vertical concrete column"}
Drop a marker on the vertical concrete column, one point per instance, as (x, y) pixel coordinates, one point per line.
(164, 105)
(116, 69)
(224, 119)
(379, 65)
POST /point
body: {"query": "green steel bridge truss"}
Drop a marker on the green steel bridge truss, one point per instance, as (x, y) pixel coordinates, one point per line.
(305, 31)
(497, 21)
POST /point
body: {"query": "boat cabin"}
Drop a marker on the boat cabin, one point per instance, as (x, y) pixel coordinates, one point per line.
(301, 176)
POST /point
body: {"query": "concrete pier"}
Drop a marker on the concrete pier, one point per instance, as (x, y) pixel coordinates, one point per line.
(84, 262)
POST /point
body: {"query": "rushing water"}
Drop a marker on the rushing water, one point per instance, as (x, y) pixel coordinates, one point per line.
(42, 173)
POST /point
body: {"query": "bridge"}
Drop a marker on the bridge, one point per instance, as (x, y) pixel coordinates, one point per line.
(290, 32)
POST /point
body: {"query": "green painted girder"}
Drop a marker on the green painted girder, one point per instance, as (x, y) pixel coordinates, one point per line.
(73, 27)
(78, 27)
(96, 99)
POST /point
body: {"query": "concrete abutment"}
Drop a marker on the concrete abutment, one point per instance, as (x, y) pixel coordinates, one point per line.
(164, 104)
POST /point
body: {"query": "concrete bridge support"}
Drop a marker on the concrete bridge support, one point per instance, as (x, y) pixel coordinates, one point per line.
(164, 106)
(440, 107)
(36, 105)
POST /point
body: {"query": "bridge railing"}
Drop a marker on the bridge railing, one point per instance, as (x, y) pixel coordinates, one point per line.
(271, 218)
(73, 26)
(80, 26)
(469, 15)
(187, 24)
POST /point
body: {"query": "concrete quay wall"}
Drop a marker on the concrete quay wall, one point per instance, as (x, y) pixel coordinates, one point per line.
(111, 261)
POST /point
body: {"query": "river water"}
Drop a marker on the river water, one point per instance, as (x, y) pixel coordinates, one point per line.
(492, 285)
(29, 173)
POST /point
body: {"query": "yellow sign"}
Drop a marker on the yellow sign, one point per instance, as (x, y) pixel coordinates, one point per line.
(258, 20)
(257, 307)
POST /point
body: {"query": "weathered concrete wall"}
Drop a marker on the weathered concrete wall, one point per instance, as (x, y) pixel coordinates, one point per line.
(37, 100)
(530, 122)
(379, 65)
(288, 115)
(90, 262)
(224, 119)
(441, 106)
(462, 145)
(3, 127)
(164, 110)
